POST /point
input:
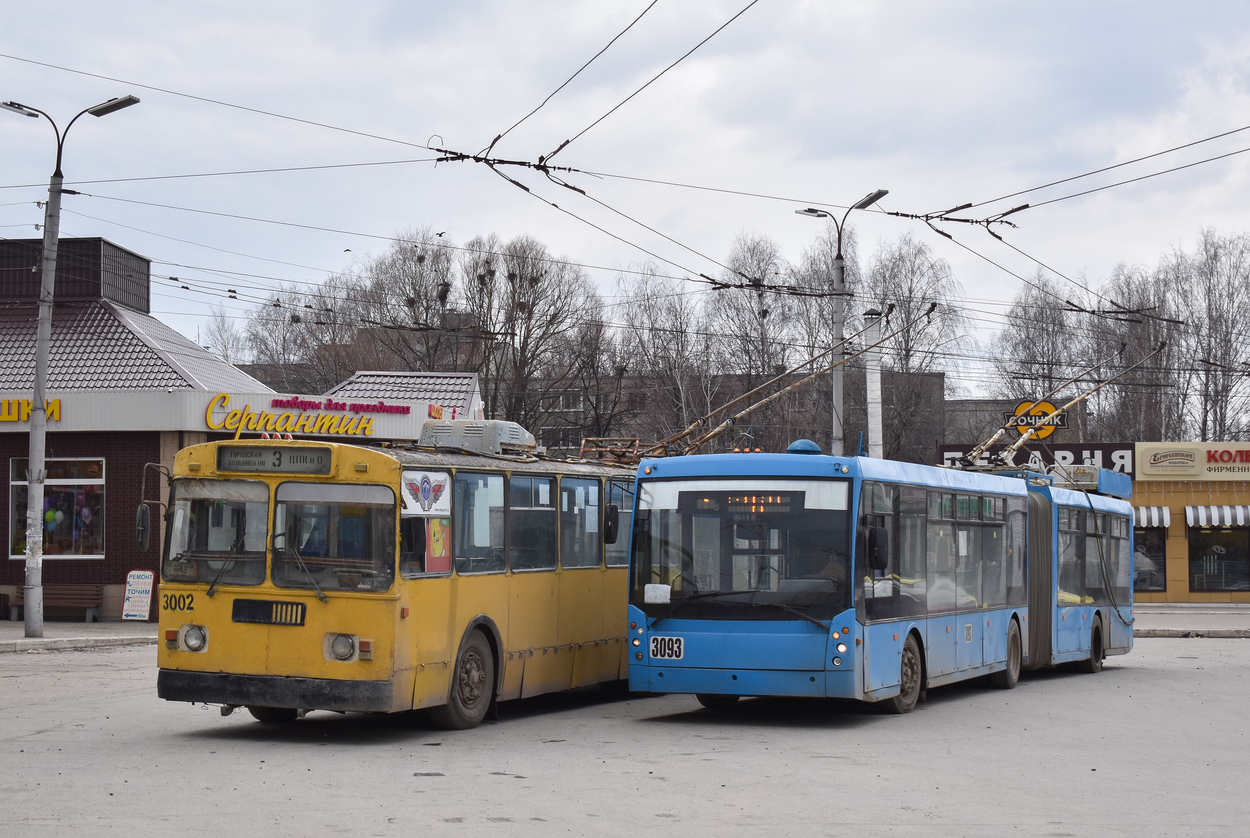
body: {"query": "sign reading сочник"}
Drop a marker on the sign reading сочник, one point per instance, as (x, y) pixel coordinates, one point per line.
(1033, 415)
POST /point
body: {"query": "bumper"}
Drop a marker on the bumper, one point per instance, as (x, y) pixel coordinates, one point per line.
(276, 691)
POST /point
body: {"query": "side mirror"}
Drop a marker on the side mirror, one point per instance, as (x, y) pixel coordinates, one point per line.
(143, 528)
(611, 523)
(878, 548)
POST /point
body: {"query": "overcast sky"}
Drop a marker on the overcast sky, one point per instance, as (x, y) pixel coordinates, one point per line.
(800, 103)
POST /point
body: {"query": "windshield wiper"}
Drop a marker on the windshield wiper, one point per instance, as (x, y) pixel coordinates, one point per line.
(674, 604)
(212, 589)
(792, 610)
(299, 560)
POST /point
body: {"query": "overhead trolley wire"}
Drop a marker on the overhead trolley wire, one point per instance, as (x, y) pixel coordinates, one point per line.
(618, 36)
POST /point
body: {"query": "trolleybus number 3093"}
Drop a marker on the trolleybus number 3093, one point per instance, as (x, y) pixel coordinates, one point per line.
(668, 648)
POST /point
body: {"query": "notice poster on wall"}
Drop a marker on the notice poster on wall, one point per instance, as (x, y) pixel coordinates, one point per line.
(137, 604)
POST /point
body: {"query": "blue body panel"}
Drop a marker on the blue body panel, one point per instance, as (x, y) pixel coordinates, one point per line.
(795, 657)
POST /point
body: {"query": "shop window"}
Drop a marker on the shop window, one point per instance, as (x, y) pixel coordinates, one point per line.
(1149, 568)
(1219, 559)
(73, 509)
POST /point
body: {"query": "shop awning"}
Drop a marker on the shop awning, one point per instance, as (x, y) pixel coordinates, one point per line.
(1151, 516)
(1217, 516)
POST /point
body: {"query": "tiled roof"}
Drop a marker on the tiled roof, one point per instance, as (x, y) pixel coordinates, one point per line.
(449, 389)
(100, 346)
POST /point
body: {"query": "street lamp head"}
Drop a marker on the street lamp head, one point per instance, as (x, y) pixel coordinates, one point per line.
(813, 212)
(114, 104)
(17, 107)
(868, 200)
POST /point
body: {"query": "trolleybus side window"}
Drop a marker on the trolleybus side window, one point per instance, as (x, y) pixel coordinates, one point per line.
(478, 513)
(1017, 592)
(878, 504)
(1071, 546)
(334, 537)
(581, 535)
(1121, 577)
(911, 551)
(217, 532)
(994, 567)
(424, 546)
(940, 556)
(531, 523)
(621, 494)
(1097, 552)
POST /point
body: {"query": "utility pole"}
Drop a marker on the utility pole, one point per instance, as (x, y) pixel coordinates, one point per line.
(873, 363)
(32, 592)
(836, 442)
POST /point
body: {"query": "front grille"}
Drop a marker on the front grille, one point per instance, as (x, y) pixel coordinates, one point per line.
(269, 612)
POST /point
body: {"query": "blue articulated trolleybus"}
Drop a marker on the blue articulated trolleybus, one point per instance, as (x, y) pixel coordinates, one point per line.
(800, 574)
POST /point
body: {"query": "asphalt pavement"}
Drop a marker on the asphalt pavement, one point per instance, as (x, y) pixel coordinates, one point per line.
(1172, 619)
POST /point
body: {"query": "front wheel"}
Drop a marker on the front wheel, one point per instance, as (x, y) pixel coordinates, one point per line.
(909, 680)
(472, 687)
(1007, 678)
(715, 702)
(1094, 663)
(274, 715)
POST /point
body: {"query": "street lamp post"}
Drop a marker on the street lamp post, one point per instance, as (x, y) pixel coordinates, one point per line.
(839, 307)
(32, 593)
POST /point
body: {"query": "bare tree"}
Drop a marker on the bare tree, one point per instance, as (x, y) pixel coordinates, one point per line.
(1216, 292)
(527, 302)
(1034, 351)
(664, 336)
(908, 276)
(1140, 311)
(225, 337)
(405, 296)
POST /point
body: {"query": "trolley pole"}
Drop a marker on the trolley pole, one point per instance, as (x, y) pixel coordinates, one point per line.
(836, 437)
(32, 591)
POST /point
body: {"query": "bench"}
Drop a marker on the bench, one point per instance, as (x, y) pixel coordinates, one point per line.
(90, 597)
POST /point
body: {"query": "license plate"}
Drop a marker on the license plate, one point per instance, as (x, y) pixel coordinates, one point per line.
(667, 648)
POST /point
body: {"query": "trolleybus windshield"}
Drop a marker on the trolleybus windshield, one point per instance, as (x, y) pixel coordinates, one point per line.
(334, 537)
(217, 532)
(743, 549)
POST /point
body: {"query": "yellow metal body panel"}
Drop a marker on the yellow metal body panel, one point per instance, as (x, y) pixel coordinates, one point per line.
(555, 629)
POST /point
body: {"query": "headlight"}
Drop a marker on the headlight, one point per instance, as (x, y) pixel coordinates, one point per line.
(837, 661)
(342, 647)
(842, 648)
(194, 638)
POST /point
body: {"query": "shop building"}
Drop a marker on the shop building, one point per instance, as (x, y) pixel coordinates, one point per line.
(125, 393)
(1192, 522)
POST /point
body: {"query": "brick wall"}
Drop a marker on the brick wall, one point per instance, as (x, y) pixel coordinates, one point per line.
(125, 455)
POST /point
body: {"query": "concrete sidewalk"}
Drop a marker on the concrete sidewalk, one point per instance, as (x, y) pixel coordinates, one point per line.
(1181, 619)
(67, 634)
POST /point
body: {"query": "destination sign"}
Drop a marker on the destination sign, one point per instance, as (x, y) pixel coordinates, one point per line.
(285, 459)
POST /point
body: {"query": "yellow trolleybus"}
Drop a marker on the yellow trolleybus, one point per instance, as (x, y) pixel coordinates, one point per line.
(301, 575)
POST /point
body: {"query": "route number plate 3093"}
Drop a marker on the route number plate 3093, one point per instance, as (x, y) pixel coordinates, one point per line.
(667, 648)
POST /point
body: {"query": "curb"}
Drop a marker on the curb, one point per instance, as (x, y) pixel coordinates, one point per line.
(66, 644)
(1217, 633)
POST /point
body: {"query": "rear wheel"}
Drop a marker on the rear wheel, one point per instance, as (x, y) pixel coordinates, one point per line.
(274, 715)
(1007, 678)
(716, 702)
(910, 675)
(1094, 663)
(472, 686)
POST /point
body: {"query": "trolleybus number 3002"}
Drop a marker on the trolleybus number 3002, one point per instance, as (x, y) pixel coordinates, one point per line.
(668, 648)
